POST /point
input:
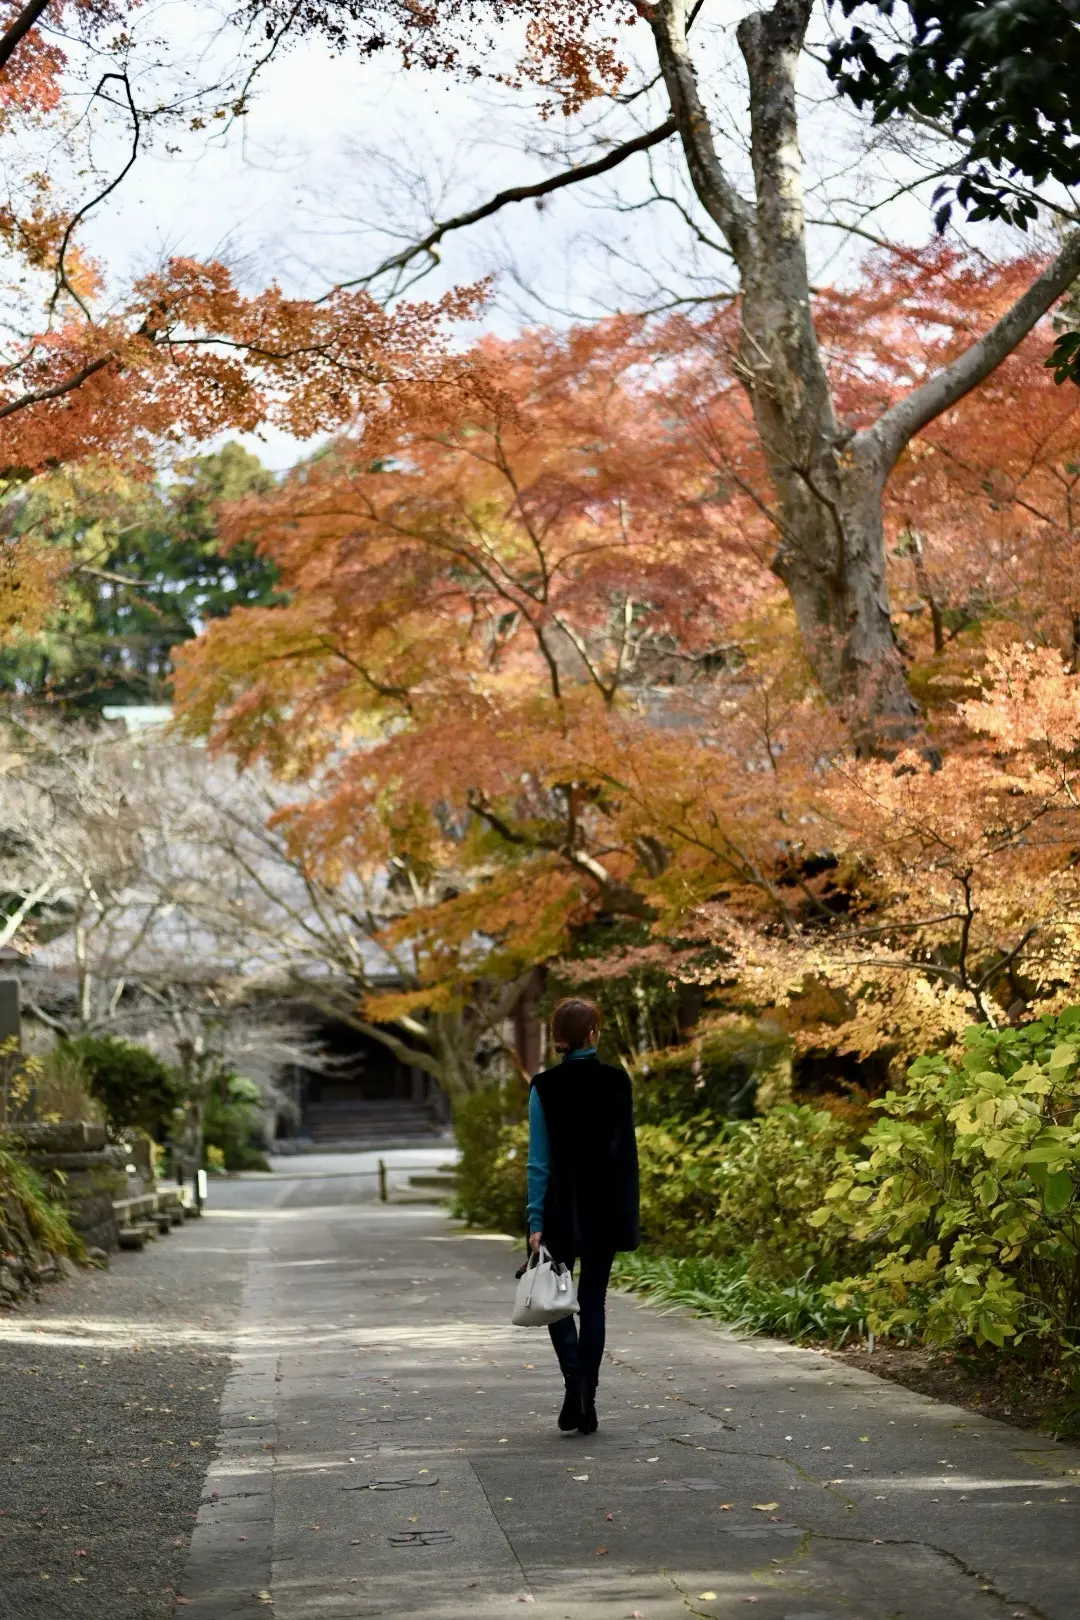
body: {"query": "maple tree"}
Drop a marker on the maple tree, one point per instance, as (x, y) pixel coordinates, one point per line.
(528, 652)
(185, 353)
(533, 662)
(827, 473)
(469, 599)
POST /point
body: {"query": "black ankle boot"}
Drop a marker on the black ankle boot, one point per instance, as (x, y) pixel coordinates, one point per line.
(588, 1422)
(570, 1416)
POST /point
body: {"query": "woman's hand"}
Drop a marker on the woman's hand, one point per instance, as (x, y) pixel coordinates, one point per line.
(535, 1240)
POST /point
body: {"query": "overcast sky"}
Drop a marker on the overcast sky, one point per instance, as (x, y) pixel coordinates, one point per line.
(336, 154)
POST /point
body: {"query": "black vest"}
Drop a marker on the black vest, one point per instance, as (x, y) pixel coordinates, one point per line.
(592, 1195)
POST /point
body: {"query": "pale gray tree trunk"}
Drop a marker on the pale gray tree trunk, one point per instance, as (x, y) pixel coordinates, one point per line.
(828, 481)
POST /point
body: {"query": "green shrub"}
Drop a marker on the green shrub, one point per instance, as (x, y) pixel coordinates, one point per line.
(492, 1134)
(136, 1089)
(973, 1183)
(721, 1188)
(730, 1292)
(732, 1068)
(232, 1125)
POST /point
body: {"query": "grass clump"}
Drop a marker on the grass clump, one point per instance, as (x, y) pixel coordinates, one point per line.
(32, 1222)
(727, 1291)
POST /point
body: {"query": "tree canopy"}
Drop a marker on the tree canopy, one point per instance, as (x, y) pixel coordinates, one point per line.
(534, 660)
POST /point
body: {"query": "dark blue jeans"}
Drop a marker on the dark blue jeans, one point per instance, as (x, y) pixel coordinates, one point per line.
(581, 1350)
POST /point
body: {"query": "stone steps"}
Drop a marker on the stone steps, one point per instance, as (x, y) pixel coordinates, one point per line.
(375, 1123)
(150, 1215)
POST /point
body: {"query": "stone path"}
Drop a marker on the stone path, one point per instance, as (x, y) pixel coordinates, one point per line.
(388, 1448)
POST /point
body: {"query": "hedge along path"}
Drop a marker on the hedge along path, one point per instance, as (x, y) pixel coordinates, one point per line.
(970, 1192)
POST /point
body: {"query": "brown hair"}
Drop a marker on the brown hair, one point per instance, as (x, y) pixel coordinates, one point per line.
(573, 1022)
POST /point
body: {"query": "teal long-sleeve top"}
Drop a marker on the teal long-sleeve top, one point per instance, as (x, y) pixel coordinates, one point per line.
(539, 1166)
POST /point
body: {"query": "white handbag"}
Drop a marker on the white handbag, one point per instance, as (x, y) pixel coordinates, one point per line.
(545, 1292)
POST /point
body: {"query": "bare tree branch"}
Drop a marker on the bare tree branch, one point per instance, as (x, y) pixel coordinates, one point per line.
(540, 188)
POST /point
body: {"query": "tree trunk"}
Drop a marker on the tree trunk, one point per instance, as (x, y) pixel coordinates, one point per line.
(831, 558)
(831, 554)
(828, 480)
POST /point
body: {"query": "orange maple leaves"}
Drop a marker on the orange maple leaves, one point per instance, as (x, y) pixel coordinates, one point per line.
(533, 654)
(189, 356)
(504, 616)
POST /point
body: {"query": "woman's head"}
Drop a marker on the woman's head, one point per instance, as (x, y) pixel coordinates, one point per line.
(575, 1023)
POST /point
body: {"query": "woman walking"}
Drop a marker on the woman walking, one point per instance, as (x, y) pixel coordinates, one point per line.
(583, 1190)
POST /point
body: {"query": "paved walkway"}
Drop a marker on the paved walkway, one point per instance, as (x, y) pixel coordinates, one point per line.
(388, 1448)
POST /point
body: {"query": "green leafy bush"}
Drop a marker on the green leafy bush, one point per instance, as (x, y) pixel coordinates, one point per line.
(232, 1125)
(708, 1187)
(136, 1089)
(731, 1069)
(492, 1134)
(721, 1188)
(729, 1291)
(972, 1188)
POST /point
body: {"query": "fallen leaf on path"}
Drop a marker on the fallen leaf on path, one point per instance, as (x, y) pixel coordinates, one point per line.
(726, 1507)
(636, 1614)
(652, 1459)
(581, 1476)
(766, 1507)
(527, 1598)
(864, 1438)
(610, 1517)
(706, 1597)
(601, 1552)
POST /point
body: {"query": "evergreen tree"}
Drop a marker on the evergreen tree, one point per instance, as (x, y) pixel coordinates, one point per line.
(142, 569)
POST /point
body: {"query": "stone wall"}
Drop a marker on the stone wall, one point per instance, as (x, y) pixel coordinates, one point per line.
(93, 1172)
